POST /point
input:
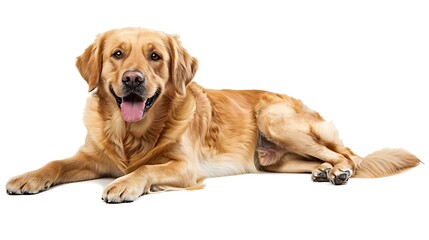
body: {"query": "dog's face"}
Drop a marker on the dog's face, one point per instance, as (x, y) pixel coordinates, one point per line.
(134, 67)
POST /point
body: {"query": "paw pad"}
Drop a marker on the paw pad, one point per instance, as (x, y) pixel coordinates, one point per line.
(341, 178)
(321, 175)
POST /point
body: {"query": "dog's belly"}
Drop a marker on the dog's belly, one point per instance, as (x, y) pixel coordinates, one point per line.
(225, 164)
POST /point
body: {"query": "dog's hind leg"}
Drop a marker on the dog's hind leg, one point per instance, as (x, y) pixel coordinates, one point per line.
(292, 126)
(272, 158)
(293, 163)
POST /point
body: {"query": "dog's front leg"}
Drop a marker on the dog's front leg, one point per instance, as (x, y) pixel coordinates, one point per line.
(172, 174)
(82, 166)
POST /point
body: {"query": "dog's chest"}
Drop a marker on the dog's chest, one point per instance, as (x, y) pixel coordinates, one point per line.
(134, 147)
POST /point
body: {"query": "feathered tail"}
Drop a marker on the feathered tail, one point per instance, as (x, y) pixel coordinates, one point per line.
(386, 162)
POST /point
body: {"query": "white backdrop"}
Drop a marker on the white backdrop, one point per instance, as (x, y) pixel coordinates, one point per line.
(363, 64)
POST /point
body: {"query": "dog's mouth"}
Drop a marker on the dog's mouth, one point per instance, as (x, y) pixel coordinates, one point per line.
(134, 107)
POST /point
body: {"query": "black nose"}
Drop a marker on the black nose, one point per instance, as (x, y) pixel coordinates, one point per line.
(132, 78)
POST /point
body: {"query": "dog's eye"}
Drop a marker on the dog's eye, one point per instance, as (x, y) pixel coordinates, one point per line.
(154, 56)
(118, 54)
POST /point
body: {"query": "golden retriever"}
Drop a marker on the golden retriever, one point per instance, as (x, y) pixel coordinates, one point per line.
(152, 129)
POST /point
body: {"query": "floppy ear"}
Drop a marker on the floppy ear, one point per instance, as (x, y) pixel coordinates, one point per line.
(182, 65)
(90, 63)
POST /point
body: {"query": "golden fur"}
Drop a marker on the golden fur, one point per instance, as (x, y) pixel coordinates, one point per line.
(191, 133)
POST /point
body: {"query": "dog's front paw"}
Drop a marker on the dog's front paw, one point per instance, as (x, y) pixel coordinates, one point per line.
(28, 183)
(124, 189)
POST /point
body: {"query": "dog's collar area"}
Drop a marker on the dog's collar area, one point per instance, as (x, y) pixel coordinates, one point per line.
(149, 102)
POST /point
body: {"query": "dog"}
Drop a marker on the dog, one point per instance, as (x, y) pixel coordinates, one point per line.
(153, 129)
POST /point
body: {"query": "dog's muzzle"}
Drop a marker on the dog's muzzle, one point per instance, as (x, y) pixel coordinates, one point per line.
(134, 103)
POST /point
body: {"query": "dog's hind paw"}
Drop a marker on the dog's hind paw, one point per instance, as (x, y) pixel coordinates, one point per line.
(340, 176)
(321, 173)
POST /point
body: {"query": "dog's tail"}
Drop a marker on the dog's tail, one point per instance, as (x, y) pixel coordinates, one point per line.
(385, 162)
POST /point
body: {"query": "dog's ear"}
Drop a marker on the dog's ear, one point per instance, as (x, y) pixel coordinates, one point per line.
(182, 65)
(90, 63)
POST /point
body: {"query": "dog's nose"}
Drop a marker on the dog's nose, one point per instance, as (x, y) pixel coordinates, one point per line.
(132, 78)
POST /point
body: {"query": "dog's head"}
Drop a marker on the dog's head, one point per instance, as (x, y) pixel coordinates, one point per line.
(135, 66)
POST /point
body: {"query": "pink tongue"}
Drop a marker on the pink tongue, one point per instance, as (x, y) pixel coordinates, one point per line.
(132, 111)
